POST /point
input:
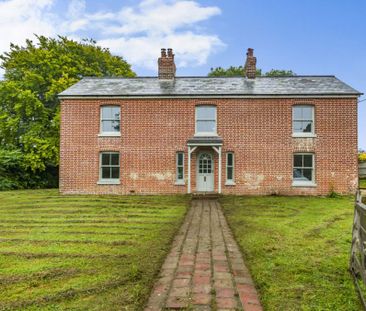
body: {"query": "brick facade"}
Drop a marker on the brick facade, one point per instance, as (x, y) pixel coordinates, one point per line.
(258, 131)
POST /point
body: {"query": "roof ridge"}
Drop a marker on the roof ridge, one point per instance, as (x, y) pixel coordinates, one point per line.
(207, 77)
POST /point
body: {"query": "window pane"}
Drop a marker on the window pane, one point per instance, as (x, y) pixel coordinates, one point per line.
(115, 113)
(303, 126)
(114, 159)
(180, 158)
(297, 173)
(297, 113)
(107, 126)
(307, 174)
(230, 159)
(106, 172)
(110, 112)
(180, 173)
(206, 113)
(307, 113)
(306, 126)
(206, 126)
(105, 158)
(106, 112)
(110, 126)
(229, 173)
(308, 160)
(297, 160)
(115, 172)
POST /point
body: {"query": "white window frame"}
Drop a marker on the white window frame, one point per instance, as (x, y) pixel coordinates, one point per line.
(177, 166)
(304, 183)
(109, 181)
(101, 133)
(196, 119)
(302, 134)
(230, 182)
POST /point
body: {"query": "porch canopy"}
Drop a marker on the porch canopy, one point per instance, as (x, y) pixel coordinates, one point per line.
(204, 141)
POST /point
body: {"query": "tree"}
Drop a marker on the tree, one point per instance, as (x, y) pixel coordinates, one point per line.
(233, 71)
(34, 75)
(279, 73)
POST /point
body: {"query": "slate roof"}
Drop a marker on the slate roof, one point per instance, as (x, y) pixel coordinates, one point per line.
(208, 86)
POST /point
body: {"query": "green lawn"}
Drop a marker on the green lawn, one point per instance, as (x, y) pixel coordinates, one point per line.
(363, 183)
(83, 252)
(297, 249)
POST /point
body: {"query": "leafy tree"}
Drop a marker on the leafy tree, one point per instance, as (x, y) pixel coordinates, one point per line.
(279, 73)
(234, 71)
(34, 75)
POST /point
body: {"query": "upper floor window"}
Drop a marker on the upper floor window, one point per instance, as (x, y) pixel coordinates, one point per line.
(206, 120)
(110, 120)
(303, 119)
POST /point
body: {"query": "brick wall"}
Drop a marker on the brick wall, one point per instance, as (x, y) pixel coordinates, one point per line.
(258, 131)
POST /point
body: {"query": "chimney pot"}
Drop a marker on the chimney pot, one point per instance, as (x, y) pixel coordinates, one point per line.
(250, 64)
(170, 53)
(166, 65)
(163, 52)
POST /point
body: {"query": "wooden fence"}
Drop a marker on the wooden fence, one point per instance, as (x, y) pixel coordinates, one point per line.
(362, 169)
(358, 249)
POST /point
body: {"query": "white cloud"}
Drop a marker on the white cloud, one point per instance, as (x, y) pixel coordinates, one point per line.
(190, 49)
(135, 32)
(141, 31)
(159, 17)
(20, 19)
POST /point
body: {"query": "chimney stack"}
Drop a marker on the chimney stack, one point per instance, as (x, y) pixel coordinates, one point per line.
(250, 65)
(166, 65)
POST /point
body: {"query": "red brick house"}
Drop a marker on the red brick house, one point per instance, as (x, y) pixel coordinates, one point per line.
(240, 135)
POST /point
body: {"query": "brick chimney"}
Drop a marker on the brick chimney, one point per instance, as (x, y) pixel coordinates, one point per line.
(250, 65)
(166, 65)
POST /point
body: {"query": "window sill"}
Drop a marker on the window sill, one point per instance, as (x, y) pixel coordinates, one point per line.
(230, 183)
(304, 184)
(109, 135)
(180, 183)
(205, 134)
(304, 135)
(109, 182)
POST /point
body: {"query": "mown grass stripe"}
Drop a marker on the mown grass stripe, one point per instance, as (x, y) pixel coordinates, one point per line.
(78, 221)
(42, 275)
(66, 294)
(61, 255)
(49, 241)
(75, 232)
(134, 227)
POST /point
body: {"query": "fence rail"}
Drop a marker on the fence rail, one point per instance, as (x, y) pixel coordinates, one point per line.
(358, 249)
(362, 169)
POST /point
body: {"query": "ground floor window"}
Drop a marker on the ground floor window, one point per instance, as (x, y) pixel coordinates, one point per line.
(109, 166)
(229, 168)
(303, 168)
(180, 167)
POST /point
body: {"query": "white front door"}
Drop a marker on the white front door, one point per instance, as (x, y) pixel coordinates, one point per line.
(205, 172)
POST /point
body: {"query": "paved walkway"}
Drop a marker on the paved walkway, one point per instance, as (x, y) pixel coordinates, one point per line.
(204, 269)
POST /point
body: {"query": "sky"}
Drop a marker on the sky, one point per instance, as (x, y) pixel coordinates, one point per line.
(312, 37)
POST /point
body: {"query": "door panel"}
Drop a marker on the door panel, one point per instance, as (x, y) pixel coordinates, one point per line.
(205, 173)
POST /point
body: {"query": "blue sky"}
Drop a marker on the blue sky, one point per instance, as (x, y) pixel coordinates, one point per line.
(308, 37)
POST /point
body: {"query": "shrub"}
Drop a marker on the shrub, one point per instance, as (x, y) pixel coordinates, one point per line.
(362, 157)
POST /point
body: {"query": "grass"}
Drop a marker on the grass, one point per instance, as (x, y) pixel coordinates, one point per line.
(83, 252)
(297, 249)
(363, 183)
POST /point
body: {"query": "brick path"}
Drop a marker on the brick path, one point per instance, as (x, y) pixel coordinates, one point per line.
(204, 269)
